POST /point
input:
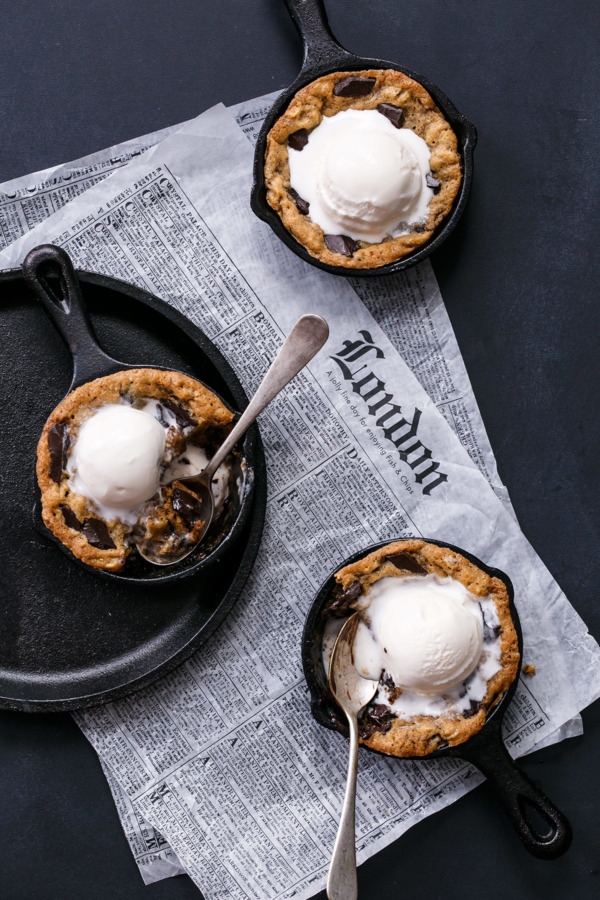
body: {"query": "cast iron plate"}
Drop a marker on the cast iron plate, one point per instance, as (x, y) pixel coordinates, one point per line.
(68, 638)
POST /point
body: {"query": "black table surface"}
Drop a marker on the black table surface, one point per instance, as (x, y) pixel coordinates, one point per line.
(519, 279)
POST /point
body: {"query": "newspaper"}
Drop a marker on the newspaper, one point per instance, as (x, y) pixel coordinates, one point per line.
(28, 200)
(206, 764)
(154, 857)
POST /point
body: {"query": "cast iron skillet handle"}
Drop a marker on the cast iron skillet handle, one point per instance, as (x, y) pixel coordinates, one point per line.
(518, 795)
(320, 47)
(62, 300)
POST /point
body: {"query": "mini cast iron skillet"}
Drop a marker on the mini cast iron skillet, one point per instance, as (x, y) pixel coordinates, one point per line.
(485, 750)
(323, 55)
(48, 271)
(69, 639)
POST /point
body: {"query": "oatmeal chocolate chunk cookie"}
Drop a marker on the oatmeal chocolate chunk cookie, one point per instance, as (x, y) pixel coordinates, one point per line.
(420, 735)
(406, 104)
(73, 518)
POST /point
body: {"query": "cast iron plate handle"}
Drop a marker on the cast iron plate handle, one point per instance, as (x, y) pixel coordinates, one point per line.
(320, 46)
(61, 298)
(518, 794)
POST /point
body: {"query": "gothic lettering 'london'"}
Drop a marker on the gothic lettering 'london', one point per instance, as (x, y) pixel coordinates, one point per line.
(396, 428)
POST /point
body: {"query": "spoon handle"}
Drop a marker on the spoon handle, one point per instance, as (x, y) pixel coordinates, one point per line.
(304, 340)
(341, 881)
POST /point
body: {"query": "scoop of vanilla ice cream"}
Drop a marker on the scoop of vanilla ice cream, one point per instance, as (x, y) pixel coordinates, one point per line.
(117, 456)
(426, 632)
(361, 176)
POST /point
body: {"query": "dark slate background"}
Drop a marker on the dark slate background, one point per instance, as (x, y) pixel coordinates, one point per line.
(519, 278)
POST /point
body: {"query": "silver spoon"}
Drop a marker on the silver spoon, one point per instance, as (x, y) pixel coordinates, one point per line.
(304, 340)
(352, 692)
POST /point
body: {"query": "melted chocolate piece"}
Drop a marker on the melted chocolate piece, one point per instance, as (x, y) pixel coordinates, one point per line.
(474, 707)
(343, 600)
(71, 520)
(394, 113)
(187, 506)
(299, 139)
(354, 86)
(406, 563)
(182, 416)
(161, 417)
(432, 182)
(302, 205)
(57, 448)
(387, 681)
(97, 535)
(341, 243)
(377, 718)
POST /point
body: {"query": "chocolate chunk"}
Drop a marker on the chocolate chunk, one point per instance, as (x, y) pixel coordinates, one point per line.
(420, 228)
(344, 599)
(394, 113)
(406, 563)
(354, 86)
(351, 593)
(432, 182)
(303, 205)
(182, 416)
(341, 243)
(97, 535)
(376, 718)
(474, 707)
(160, 414)
(71, 520)
(299, 139)
(57, 447)
(387, 681)
(187, 506)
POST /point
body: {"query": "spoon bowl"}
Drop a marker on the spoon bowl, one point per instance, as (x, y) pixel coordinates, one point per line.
(201, 496)
(351, 691)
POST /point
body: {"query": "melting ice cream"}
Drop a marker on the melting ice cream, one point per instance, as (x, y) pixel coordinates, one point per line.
(361, 176)
(426, 634)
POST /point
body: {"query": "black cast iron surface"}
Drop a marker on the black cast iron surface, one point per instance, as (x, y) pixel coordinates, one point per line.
(71, 638)
(519, 277)
(323, 55)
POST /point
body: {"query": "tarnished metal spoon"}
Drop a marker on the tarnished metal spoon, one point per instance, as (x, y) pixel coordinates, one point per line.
(352, 692)
(304, 340)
